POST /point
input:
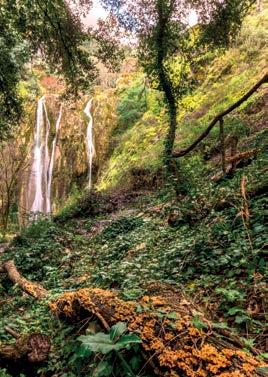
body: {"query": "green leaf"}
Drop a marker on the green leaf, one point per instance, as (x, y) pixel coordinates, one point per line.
(139, 309)
(117, 330)
(102, 343)
(82, 351)
(235, 310)
(127, 340)
(220, 325)
(172, 315)
(104, 369)
(198, 324)
(99, 342)
(136, 362)
(241, 319)
(263, 371)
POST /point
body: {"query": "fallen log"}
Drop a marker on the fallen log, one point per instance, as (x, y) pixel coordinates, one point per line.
(232, 162)
(31, 288)
(177, 339)
(229, 141)
(34, 348)
(242, 156)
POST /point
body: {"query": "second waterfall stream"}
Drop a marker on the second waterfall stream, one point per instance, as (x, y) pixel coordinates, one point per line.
(89, 141)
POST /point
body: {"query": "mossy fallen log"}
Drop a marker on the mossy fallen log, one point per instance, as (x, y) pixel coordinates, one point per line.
(176, 337)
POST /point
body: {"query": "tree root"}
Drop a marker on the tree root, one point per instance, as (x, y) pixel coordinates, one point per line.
(170, 341)
(33, 289)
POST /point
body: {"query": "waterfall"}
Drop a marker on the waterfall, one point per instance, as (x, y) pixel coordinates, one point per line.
(37, 167)
(51, 164)
(89, 141)
(42, 167)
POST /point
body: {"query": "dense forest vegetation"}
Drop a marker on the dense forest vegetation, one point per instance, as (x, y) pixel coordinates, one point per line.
(133, 160)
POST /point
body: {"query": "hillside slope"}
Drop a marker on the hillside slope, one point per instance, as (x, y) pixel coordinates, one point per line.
(223, 79)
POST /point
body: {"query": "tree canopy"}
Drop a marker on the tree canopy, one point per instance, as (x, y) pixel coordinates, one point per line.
(51, 29)
(164, 37)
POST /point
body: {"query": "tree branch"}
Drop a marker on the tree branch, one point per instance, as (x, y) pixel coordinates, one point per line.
(218, 117)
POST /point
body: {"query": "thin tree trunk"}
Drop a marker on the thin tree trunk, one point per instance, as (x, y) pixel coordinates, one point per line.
(166, 85)
(259, 6)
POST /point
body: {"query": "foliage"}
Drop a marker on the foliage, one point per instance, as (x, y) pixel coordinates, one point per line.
(131, 106)
(114, 341)
(222, 79)
(120, 227)
(164, 36)
(54, 30)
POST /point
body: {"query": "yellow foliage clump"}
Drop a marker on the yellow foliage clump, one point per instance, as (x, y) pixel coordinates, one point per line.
(174, 346)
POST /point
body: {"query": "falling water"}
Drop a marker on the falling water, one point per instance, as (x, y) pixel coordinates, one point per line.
(37, 167)
(52, 158)
(42, 166)
(89, 141)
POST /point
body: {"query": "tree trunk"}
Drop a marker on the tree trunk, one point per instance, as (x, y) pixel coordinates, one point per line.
(166, 86)
(259, 6)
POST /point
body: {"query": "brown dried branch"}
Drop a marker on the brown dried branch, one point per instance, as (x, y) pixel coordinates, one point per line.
(242, 156)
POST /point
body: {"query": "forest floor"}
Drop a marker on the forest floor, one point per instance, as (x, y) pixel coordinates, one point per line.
(202, 254)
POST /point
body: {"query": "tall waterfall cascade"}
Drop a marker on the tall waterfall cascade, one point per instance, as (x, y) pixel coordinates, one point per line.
(89, 141)
(40, 181)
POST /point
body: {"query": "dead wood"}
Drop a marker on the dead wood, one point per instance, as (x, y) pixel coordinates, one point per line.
(223, 146)
(220, 116)
(230, 140)
(231, 163)
(245, 208)
(31, 288)
(171, 344)
(12, 332)
(242, 156)
(34, 348)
